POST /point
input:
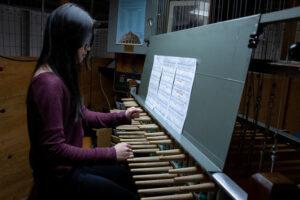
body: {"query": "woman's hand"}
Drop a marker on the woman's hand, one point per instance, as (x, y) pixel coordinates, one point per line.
(123, 151)
(132, 113)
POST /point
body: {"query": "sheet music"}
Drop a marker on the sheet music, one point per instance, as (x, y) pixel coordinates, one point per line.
(165, 86)
(151, 99)
(169, 95)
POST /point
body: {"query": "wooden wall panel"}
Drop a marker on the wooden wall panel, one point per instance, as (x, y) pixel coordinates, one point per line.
(15, 172)
(125, 62)
(96, 64)
(292, 119)
(98, 100)
(85, 84)
(15, 76)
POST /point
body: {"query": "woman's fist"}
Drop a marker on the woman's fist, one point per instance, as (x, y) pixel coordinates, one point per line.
(123, 151)
(132, 113)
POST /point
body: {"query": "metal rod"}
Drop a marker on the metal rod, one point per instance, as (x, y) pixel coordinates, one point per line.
(273, 41)
(245, 11)
(184, 17)
(227, 9)
(236, 8)
(248, 105)
(240, 13)
(194, 16)
(181, 17)
(15, 34)
(233, 9)
(190, 19)
(213, 11)
(218, 17)
(256, 115)
(165, 16)
(268, 123)
(266, 41)
(206, 4)
(21, 36)
(2, 30)
(222, 8)
(92, 7)
(198, 15)
(271, 6)
(9, 35)
(203, 3)
(275, 147)
(159, 16)
(42, 21)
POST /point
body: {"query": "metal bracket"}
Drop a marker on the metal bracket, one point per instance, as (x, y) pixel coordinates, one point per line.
(147, 41)
(253, 41)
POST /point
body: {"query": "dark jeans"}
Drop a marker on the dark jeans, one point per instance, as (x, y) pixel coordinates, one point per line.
(99, 182)
(107, 182)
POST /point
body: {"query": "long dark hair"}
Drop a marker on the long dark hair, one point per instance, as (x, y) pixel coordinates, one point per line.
(68, 28)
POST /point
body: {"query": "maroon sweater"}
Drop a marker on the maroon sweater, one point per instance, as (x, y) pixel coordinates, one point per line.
(56, 140)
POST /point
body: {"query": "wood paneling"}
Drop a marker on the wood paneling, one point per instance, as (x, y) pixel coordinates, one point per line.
(98, 99)
(292, 114)
(15, 172)
(85, 84)
(126, 62)
(15, 76)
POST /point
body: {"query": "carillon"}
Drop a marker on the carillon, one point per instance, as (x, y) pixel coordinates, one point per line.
(222, 135)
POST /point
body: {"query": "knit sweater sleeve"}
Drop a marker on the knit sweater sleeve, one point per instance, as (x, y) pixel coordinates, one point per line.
(56, 143)
(103, 120)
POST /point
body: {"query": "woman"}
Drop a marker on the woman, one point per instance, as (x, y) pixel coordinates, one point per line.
(62, 169)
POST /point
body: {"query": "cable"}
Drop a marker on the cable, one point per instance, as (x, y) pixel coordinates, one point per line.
(103, 92)
(18, 60)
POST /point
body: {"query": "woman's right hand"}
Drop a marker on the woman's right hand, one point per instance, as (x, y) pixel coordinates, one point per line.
(123, 151)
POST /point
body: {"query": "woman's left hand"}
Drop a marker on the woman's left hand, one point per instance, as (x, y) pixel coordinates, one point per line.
(132, 113)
